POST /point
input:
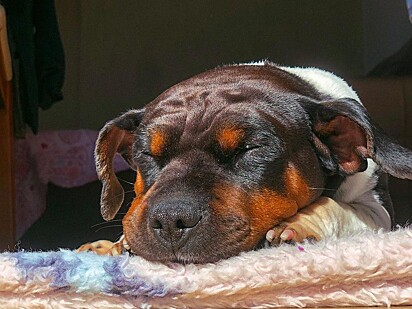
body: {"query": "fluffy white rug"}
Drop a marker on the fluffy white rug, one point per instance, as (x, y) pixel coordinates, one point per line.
(368, 269)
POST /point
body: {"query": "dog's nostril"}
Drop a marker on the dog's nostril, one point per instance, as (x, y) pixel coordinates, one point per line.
(180, 224)
(156, 224)
(187, 223)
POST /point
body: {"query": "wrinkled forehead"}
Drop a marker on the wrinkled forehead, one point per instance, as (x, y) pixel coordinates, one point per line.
(193, 92)
(236, 89)
(202, 108)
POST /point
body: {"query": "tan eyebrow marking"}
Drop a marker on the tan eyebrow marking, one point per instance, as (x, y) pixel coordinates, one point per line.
(229, 138)
(157, 143)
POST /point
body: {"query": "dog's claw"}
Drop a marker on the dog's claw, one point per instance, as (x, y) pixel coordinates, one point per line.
(288, 235)
(270, 235)
(285, 233)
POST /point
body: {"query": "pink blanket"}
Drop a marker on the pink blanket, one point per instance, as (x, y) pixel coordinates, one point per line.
(64, 158)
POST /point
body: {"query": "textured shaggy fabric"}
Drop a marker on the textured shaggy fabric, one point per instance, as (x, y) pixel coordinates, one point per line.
(364, 269)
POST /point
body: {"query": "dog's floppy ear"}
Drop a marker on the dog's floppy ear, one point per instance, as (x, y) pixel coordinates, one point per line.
(345, 136)
(115, 137)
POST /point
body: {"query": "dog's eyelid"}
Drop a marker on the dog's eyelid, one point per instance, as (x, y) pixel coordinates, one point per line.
(236, 153)
(251, 146)
(146, 153)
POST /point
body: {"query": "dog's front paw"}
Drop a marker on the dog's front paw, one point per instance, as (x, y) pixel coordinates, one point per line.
(105, 247)
(290, 233)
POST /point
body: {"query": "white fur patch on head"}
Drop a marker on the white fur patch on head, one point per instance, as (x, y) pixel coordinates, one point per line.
(325, 82)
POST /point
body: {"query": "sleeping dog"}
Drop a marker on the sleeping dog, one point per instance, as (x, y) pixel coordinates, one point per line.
(247, 155)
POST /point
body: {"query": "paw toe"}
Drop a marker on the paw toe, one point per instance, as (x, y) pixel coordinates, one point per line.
(287, 234)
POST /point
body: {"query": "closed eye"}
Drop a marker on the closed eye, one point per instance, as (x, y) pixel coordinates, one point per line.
(246, 148)
(236, 154)
(158, 159)
(243, 150)
(147, 153)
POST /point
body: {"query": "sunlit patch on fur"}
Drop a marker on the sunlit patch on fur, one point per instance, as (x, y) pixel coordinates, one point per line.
(157, 143)
(229, 138)
(296, 186)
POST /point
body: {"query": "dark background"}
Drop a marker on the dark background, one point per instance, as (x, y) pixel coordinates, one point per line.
(123, 53)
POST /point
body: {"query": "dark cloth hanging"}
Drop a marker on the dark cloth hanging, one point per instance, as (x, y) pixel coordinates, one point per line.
(37, 55)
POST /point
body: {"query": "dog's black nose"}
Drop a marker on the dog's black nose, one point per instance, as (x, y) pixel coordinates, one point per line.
(173, 221)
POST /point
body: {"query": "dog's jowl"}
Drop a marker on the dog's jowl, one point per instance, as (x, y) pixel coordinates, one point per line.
(244, 155)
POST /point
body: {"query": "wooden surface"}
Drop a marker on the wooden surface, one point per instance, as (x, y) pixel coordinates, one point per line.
(7, 230)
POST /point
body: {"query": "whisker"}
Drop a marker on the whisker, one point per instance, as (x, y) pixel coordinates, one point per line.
(106, 227)
(106, 223)
(125, 181)
(126, 205)
(327, 189)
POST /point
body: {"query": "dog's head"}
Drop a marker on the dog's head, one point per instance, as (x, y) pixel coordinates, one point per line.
(226, 155)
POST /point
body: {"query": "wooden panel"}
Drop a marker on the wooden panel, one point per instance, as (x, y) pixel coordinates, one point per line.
(7, 230)
(7, 225)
